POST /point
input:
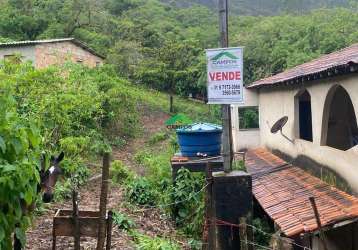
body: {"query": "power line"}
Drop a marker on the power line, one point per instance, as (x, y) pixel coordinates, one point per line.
(229, 224)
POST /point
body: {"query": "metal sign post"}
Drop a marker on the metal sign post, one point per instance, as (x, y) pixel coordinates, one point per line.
(226, 112)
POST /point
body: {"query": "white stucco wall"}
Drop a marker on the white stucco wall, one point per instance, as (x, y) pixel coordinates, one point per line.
(27, 52)
(278, 102)
(249, 138)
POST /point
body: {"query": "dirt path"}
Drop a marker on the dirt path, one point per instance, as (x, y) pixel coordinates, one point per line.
(150, 222)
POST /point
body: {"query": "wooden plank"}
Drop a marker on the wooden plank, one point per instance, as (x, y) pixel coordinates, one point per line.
(68, 213)
(65, 227)
(198, 165)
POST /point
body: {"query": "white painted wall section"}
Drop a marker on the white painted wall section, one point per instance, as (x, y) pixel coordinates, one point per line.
(249, 138)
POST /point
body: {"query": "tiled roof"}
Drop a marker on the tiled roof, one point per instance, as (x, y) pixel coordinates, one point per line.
(283, 191)
(35, 42)
(341, 62)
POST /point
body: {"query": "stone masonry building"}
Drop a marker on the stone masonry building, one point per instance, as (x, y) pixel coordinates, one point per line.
(43, 53)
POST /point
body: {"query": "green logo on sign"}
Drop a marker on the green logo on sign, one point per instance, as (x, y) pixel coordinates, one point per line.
(224, 54)
(224, 59)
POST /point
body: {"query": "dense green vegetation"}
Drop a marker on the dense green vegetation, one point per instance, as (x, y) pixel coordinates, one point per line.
(182, 201)
(152, 46)
(267, 7)
(162, 46)
(71, 108)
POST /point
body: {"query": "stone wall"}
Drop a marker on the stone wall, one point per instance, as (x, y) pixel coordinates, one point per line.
(58, 53)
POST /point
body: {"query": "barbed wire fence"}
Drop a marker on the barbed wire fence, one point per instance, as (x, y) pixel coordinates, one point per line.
(214, 222)
(209, 222)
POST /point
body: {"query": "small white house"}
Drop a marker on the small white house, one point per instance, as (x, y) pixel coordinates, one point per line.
(320, 99)
(319, 139)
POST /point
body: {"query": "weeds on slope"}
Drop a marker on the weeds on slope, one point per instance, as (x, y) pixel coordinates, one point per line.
(183, 201)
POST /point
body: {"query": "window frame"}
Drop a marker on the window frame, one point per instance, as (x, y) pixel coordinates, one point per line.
(240, 117)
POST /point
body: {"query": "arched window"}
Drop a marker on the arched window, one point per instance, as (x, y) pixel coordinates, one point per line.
(339, 125)
(304, 115)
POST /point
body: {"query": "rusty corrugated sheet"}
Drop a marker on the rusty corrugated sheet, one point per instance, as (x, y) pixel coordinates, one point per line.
(283, 191)
(336, 60)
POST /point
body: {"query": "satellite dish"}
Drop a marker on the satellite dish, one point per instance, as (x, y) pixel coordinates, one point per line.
(279, 125)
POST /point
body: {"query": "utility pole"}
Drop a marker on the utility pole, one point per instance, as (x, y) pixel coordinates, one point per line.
(226, 109)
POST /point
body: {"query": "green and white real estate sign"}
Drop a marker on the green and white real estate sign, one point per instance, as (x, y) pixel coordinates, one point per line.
(225, 75)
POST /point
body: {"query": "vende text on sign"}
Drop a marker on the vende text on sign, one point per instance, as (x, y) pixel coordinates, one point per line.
(225, 78)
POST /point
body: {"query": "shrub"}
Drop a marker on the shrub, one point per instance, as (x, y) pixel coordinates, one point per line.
(63, 190)
(189, 208)
(144, 242)
(123, 222)
(142, 157)
(157, 137)
(72, 107)
(20, 144)
(156, 163)
(120, 172)
(260, 227)
(141, 192)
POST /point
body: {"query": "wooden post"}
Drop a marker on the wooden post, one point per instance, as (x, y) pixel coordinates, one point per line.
(209, 210)
(232, 197)
(171, 103)
(109, 230)
(243, 234)
(103, 202)
(319, 224)
(75, 213)
(226, 110)
(54, 238)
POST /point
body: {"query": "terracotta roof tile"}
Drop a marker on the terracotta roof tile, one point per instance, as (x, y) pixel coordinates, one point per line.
(333, 61)
(283, 191)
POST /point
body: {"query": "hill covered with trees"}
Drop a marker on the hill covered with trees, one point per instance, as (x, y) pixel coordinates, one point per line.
(148, 44)
(267, 7)
(161, 45)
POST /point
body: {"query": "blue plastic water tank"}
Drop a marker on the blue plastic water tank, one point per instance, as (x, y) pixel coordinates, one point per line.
(200, 139)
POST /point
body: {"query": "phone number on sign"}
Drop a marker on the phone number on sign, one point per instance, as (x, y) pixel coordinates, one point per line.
(231, 92)
(227, 87)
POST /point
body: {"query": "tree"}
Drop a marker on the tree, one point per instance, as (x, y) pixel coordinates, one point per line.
(126, 56)
(172, 68)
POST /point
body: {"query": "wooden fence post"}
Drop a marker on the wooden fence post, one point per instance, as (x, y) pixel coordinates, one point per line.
(209, 210)
(243, 234)
(319, 224)
(109, 230)
(75, 213)
(103, 202)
